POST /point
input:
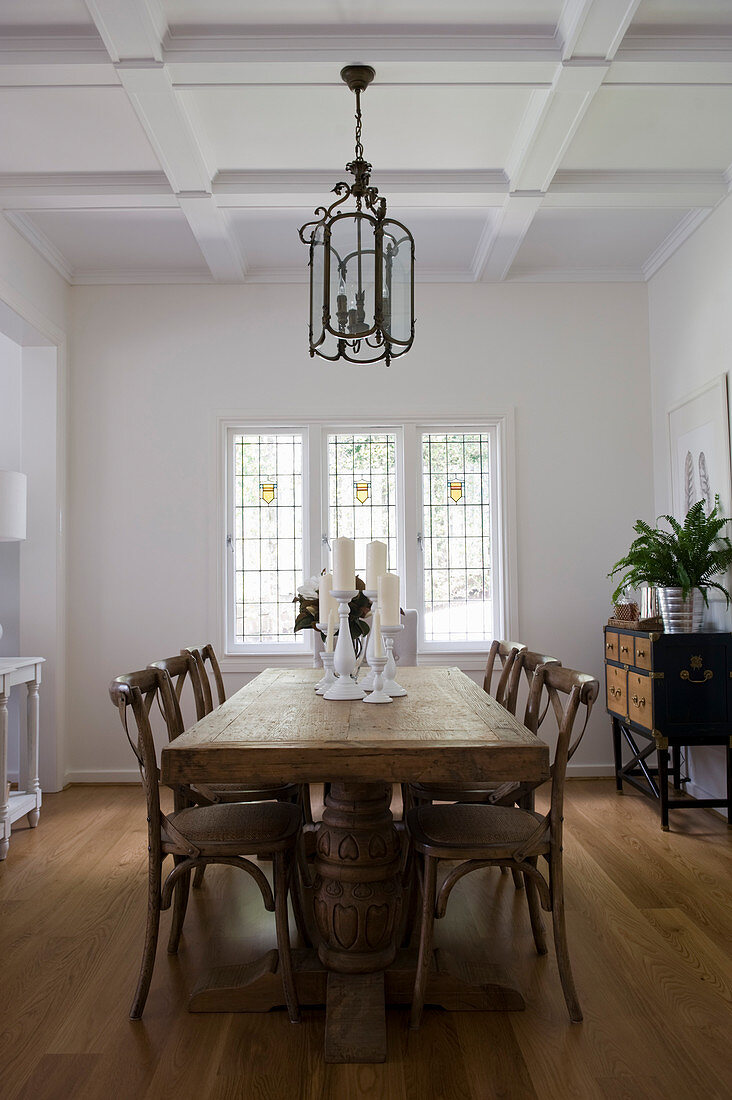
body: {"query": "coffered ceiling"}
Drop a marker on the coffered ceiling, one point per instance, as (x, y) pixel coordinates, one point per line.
(187, 140)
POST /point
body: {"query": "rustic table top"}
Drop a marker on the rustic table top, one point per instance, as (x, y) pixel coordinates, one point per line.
(276, 729)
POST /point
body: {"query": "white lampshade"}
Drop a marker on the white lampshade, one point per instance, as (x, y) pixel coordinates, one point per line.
(12, 505)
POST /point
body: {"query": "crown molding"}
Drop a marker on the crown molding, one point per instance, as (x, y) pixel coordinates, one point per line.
(81, 183)
(42, 244)
(681, 232)
(577, 275)
(142, 277)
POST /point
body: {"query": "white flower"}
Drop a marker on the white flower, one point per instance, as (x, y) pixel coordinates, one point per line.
(309, 590)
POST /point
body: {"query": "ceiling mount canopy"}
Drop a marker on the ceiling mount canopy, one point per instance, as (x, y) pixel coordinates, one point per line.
(361, 265)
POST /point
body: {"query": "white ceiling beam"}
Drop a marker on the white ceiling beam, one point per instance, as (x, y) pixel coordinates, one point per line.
(502, 237)
(594, 28)
(130, 30)
(212, 234)
(133, 33)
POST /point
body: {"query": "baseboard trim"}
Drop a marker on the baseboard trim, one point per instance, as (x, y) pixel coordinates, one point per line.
(121, 775)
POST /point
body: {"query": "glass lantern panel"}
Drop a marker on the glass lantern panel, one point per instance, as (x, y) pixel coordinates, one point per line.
(317, 275)
(352, 275)
(397, 282)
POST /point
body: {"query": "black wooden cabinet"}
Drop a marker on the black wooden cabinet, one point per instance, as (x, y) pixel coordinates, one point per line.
(672, 691)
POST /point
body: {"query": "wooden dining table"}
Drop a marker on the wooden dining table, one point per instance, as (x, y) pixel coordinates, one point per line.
(355, 889)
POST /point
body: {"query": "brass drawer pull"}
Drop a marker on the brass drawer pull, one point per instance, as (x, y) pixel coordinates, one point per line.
(609, 645)
(614, 691)
(708, 674)
(638, 702)
(624, 649)
(641, 652)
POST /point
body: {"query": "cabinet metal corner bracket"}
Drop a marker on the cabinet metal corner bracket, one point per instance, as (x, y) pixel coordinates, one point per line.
(654, 637)
(659, 675)
(661, 741)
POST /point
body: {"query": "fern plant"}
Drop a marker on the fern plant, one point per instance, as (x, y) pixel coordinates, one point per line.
(688, 556)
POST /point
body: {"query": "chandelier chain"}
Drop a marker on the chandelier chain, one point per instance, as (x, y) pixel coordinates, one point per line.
(359, 146)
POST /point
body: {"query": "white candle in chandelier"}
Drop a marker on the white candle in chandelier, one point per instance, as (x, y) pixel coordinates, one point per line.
(378, 642)
(388, 589)
(325, 600)
(331, 630)
(344, 565)
(375, 563)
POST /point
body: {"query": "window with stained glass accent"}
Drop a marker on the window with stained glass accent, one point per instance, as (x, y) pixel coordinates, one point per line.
(267, 541)
(456, 534)
(362, 493)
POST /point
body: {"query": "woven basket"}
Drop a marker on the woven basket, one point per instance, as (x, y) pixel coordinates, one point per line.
(628, 612)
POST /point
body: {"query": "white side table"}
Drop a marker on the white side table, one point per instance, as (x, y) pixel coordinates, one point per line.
(27, 800)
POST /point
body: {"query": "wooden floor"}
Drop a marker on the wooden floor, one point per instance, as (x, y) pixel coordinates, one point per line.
(650, 926)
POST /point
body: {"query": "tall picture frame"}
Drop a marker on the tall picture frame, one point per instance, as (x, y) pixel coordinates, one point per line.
(699, 445)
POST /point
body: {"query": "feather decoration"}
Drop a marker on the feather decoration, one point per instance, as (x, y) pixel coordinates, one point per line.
(689, 490)
(706, 489)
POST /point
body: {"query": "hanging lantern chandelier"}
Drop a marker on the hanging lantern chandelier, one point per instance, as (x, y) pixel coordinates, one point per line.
(361, 265)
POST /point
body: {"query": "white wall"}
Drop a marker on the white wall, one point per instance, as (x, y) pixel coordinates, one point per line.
(690, 324)
(33, 316)
(153, 366)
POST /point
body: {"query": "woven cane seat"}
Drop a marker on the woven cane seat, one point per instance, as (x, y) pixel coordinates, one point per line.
(249, 826)
(473, 826)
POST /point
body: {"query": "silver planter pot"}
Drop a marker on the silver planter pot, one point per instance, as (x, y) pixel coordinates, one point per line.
(681, 616)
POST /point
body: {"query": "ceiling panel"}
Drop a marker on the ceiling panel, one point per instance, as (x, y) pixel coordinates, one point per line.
(71, 130)
(36, 13)
(593, 240)
(313, 127)
(683, 13)
(122, 240)
(445, 240)
(655, 128)
(384, 12)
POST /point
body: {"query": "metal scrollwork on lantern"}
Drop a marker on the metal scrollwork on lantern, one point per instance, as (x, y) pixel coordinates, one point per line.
(361, 265)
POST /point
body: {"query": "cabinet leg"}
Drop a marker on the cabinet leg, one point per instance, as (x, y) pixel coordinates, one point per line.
(676, 758)
(663, 786)
(618, 754)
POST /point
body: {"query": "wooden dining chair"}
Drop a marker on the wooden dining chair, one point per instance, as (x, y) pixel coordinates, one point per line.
(198, 835)
(507, 836)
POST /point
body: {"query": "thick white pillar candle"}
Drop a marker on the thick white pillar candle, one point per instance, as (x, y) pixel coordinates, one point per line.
(388, 589)
(344, 565)
(325, 600)
(377, 649)
(375, 563)
(332, 616)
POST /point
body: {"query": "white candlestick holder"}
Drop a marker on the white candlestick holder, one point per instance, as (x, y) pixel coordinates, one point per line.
(368, 681)
(324, 683)
(378, 695)
(391, 687)
(330, 677)
(345, 655)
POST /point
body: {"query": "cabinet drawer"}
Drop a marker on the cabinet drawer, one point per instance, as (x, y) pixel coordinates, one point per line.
(617, 690)
(643, 653)
(611, 646)
(640, 699)
(626, 649)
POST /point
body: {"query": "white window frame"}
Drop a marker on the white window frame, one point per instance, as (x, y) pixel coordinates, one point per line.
(470, 656)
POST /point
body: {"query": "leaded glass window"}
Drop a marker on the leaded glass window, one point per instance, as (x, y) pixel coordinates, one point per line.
(267, 542)
(458, 593)
(362, 497)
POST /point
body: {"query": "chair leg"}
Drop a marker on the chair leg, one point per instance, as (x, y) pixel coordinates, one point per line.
(537, 922)
(151, 942)
(560, 945)
(518, 879)
(304, 801)
(424, 960)
(198, 874)
(180, 904)
(281, 870)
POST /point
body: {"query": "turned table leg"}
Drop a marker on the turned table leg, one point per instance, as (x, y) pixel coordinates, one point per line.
(32, 784)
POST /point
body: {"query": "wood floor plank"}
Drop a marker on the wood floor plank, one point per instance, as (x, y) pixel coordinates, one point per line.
(648, 936)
